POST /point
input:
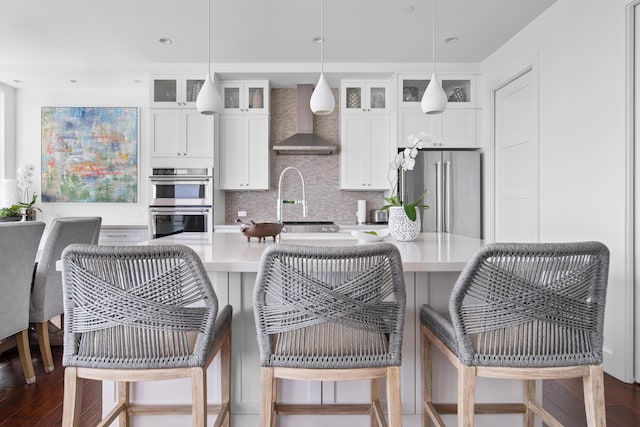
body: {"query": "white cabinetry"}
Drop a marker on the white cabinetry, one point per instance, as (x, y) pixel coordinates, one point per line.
(455, 128)
(117, 235)
(365, 151)
(359, 96)
(241, 97)
(244, 152)
(181, 133)
(175, 91)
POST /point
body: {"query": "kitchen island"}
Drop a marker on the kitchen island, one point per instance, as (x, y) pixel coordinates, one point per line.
(431, 265)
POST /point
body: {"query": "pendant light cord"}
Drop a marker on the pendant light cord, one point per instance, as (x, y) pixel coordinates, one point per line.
(209, 39)
(433, 38)
(321, 36)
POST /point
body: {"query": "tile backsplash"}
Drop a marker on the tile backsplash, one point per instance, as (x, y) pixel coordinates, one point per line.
(325, 200)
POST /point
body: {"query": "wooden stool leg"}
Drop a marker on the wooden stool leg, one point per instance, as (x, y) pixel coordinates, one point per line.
(72, 398)
(426, 356)
(529, 396)
(199, 396)
(466, 395)
(123, 399)
(267, 392)
(594, 404)
(24, 352)
(225, 374)
(45, 345)
(375, 402)
(394, 401)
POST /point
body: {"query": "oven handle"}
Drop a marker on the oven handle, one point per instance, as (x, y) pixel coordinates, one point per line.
(185, 180)
(180, 211)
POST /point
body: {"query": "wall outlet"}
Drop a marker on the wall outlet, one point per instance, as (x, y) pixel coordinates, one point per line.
(242, 214)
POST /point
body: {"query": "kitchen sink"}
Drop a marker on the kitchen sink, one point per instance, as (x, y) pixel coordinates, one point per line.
(310, 227)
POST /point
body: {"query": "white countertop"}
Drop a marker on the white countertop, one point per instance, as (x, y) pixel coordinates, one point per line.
(231, 252)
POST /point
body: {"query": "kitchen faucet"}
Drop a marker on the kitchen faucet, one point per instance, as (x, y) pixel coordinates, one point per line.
(280, 202)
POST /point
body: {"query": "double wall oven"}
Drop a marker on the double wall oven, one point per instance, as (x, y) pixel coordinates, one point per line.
(181, 201)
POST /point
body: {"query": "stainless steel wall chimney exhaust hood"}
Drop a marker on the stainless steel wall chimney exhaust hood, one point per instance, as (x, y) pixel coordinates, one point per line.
(304, 141)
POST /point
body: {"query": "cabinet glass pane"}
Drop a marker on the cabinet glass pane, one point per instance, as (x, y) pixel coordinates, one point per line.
(377, 97)
(354, 97)
(165, 91)
(193, 89)
(256, 97)
(231, 97)
(412, 90)
(457, 90)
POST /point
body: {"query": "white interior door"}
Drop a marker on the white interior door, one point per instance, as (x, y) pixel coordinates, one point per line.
(516, 161)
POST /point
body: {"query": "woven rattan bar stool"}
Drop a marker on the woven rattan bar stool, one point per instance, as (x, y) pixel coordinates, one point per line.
(142, 313)
(330, 314)
(521, 311)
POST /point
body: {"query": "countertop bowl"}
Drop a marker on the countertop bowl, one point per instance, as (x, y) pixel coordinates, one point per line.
(370, 235)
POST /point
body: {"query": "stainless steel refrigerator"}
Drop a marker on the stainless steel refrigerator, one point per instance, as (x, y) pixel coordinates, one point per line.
(453, 180)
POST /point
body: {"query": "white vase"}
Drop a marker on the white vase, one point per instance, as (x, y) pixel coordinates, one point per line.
(401, 227)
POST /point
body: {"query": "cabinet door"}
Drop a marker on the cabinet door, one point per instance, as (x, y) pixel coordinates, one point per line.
(256, 97)
(458, 128)
(233, 153)
(257, 158)
(175, 91)
(165, 134)
(232, 97)
(377, 97)
(198, 134)
(353, 98)
(378, 147)
(412, 122)
(354, 165)
(365, 152)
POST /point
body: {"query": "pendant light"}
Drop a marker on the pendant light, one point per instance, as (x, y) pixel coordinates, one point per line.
(434, 100)
(322, 101)
(208, 100)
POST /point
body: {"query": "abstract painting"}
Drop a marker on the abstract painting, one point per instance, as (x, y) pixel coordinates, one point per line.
(89, 154)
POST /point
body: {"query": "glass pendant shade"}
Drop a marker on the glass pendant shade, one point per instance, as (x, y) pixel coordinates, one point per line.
(434, 100)
(208, 100)
(322, 101)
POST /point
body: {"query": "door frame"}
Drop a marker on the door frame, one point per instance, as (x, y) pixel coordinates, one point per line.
(632, 214)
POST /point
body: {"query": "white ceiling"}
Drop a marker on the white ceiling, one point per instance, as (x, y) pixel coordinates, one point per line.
(43, 42)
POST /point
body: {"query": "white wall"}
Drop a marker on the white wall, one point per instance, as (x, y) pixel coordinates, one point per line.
(581, 50)
(7, 131)
(28, 105)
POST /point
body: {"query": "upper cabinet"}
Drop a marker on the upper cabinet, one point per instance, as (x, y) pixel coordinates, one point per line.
(245, 97)
(181, 133)
(365, 96)
(459, 88)
(175, 91)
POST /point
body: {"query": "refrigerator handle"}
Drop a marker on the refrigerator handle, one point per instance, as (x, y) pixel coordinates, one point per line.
(447, 197)
(439, 196)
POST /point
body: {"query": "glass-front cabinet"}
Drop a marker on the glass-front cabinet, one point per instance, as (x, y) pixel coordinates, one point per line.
(245, 96)
(364, 96)
(459, 89)
(172, 91)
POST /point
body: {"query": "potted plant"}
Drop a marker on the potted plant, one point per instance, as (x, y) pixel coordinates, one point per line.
(11, 213)
(25, 180)
(404, 217)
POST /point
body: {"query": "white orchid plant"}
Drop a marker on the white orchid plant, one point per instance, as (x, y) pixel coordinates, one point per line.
(405, 161)
(25, 181)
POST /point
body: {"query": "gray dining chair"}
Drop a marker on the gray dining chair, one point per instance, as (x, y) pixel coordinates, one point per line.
(142, 313)
(527, 311)
(18, 245)
(46, 290)
(330, 314)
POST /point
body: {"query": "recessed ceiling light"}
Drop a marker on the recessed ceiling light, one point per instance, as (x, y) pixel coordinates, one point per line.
(17, 81)
(451, 39)
(165, 40)
(137, 81)
(317, 39)
(74, 81)
(408, 9)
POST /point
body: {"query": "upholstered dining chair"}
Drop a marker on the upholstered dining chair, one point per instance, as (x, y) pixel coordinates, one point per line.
(330, 314)
(142, 313)
(522, 311)
(18, 245)
(46, 290)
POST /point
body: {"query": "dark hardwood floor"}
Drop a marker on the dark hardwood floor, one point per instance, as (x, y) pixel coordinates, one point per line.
(40, 404)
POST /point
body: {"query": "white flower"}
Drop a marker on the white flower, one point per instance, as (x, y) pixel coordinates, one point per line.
(25, 179)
